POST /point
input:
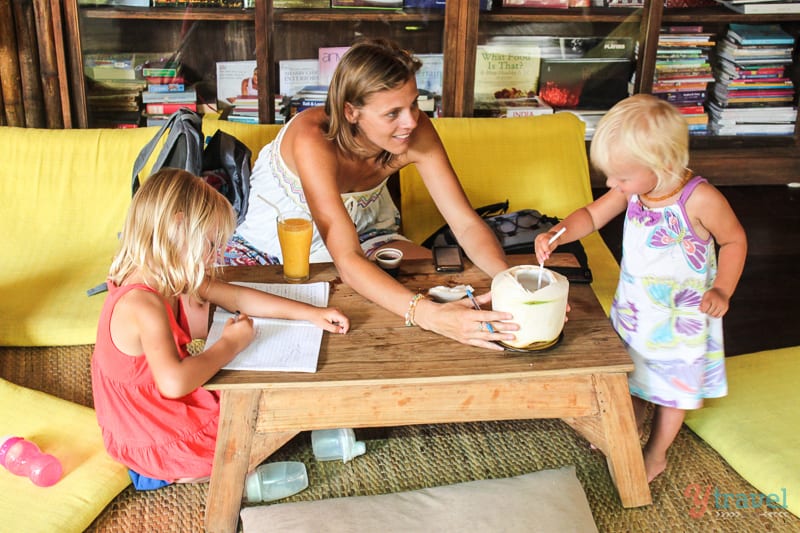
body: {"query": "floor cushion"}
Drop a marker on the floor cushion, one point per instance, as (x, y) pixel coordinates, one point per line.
(550, 500)
(69, 431)
(755, 427)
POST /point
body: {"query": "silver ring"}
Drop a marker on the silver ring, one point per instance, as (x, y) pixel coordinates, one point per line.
(480, 327)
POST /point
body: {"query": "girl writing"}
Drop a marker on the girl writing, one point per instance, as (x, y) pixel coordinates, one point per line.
(673, 290)
(153, 412)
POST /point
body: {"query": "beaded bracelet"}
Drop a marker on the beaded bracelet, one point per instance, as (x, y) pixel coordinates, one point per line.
(412, 307)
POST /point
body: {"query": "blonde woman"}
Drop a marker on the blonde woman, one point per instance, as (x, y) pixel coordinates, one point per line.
(155, 417)
(671, 294)
(333, 162)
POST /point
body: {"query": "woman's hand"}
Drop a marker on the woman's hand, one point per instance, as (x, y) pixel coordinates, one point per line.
(460, 321)
(330, 319)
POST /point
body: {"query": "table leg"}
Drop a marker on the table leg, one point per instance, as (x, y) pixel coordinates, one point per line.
(622, 448)
(237, 421)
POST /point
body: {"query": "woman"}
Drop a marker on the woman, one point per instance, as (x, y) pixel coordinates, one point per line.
(333, 162)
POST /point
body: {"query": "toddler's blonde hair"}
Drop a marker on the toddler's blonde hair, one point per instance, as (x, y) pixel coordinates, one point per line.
(646, 130)
(174, 228)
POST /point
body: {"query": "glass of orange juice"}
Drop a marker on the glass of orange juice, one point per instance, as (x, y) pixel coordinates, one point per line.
(294, 234)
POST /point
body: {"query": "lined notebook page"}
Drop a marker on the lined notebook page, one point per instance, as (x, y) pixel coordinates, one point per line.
(279, 345)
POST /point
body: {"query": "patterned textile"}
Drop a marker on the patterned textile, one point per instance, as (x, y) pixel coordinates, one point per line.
(677, 350)
(239, 252)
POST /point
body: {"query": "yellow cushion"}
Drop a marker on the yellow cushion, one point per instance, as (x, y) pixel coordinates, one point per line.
(69, 431)
(534, 162)
(254, 136)
(65, 194)
(755, 427)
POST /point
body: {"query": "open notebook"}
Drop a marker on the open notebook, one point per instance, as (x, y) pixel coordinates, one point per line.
(279, 345)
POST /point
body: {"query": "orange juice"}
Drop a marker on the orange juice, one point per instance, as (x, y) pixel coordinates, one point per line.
(294, 234)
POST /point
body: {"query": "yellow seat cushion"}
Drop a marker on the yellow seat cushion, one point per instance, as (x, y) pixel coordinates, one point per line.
(254, 136)
(66, 196)
(69, 431)
(534, 162)
(755, 427)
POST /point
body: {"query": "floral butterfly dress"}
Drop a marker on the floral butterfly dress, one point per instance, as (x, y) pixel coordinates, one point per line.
(677, 350)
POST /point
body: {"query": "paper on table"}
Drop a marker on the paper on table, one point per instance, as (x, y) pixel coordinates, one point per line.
(279, 345)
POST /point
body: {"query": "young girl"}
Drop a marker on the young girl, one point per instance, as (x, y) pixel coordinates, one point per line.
(154, 414)
(671, 294)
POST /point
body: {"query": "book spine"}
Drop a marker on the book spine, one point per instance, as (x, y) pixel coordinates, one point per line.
(682, 97)
(149, 97)
(166, 87)
(164, 80)
(168, 109)
(159, 72)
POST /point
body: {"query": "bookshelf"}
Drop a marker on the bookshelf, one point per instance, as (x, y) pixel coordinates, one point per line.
(269, 35)
(204, 36)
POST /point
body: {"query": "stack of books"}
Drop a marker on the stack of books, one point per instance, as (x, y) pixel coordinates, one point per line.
(165, 95)
(749, 7)
(244, 108)
(683, 72)
(753, 94)
(114, 88)
(166, 91)
(308, 96)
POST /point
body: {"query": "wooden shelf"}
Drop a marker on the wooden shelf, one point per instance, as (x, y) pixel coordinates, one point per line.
(587, 14)
(168, 13)
(720, 15)
(348, 15)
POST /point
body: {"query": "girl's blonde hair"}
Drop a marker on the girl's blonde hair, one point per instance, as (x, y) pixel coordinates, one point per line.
(369, 66)
(174, 228)
(647, 130)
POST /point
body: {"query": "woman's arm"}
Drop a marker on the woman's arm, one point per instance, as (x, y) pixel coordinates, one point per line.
(471, 232)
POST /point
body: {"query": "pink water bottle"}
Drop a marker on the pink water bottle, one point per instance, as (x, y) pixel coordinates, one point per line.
(24, 458)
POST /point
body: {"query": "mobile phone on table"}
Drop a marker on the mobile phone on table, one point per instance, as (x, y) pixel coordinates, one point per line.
(448, 259)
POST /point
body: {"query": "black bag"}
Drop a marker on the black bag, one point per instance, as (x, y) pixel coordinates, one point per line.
(224, 163)
(226, 167)
(183, 147)
(516, 232)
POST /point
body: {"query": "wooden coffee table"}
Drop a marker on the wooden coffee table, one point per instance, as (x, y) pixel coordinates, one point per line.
(384, 374)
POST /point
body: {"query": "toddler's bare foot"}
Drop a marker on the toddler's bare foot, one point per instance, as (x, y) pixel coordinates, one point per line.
(193, 479)
(653, 466)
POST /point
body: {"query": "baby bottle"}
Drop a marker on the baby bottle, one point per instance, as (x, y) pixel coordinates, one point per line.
(24, 458)
(334, 444)
(273, 481)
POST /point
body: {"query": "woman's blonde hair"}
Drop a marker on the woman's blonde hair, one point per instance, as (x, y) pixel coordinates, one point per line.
(647, 130)
(173, 230)
(369, 66)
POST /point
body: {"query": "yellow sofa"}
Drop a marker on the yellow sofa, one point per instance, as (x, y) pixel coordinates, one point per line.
(66, 193)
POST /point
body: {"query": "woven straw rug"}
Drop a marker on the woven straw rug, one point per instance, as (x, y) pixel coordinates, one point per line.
(414, 457)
